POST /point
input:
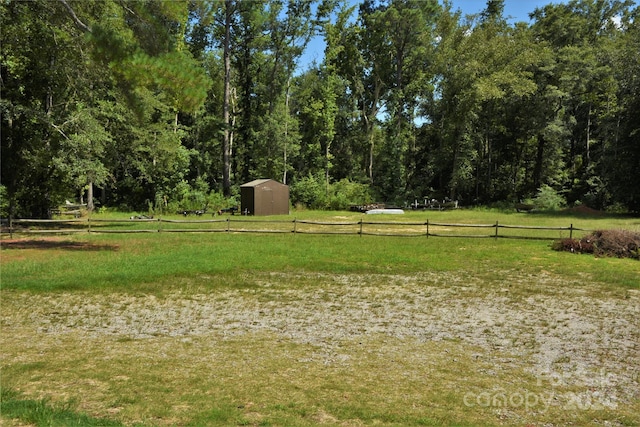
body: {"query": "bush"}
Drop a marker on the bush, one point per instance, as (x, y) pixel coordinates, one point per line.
(217, 201)
(549, 199)
(312, 192)
(309, 191)
(613, 243)
(345, 193)
(4, 202)
(191, 197)
(617, 208)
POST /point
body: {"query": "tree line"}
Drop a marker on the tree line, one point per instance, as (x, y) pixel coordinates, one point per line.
(154, 104)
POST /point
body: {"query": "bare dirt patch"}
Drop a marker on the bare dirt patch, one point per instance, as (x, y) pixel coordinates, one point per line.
(584, 210)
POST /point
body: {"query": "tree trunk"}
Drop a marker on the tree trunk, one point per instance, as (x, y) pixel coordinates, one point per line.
(369, 118)
(226, 143)
(90, 204)
(588, 153)
(286, 130)
(453, 184)
(369, 133)
(371, 147)
(326, 169)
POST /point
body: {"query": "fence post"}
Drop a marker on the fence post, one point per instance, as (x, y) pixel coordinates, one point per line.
(294, 225)
(159, 225)
(360, 227)
(496, 236)
(228, 219)
(89, 223)
(427, 228)
(571, 231)
(11, 226)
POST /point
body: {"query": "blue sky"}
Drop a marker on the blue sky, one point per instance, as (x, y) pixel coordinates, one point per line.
(518, 9)
(514, 10)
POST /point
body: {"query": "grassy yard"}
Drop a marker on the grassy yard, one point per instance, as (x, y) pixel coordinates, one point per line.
(299, 330)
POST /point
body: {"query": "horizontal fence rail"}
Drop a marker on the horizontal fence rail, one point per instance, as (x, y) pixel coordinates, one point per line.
(228, 225)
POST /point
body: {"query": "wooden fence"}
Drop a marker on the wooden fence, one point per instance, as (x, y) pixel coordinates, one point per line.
(361, 227)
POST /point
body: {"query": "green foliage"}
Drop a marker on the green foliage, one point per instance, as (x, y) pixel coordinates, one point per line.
(175, 73)
(185, 197)
(4, 202)
(312, 192)
(548, 199)
(617, 208)
(99, 103)
(130, 97)
(192, 197)
(346, 193)
(309, 191)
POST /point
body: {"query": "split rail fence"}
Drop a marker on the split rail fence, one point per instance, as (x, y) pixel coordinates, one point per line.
(244, 225)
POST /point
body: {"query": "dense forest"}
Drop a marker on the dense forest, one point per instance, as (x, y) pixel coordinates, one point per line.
(159, 105)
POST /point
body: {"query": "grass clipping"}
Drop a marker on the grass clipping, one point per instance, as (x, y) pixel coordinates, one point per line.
(611, 243)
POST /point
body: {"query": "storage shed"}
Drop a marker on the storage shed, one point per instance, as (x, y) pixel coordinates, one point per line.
(264, 197)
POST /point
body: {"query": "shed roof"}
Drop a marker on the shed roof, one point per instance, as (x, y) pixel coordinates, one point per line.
(256, 182)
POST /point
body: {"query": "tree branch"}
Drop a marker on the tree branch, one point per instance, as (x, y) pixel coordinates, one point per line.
(60, 131)
(75, 18)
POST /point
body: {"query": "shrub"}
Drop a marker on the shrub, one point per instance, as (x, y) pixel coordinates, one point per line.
(346, 193)
(217, 201)
(613, 243)
(313, 193)
(4, 202)
(194, 196)
(617, 208)
(309, 191)
(549, 199)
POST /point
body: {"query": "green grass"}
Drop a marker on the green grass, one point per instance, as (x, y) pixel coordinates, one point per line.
(58, 368)
(114, 221)
(42, 413)
(154, 262)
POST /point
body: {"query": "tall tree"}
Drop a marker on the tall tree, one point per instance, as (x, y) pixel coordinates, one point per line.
(229, 8)
(399, 43)
(581, 34)
(88, 53)
(479, 68)
(289, 26)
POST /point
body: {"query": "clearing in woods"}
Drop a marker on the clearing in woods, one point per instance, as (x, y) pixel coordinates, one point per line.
(319, 330)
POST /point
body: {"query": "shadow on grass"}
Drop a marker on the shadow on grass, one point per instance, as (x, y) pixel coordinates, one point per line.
(44, 244)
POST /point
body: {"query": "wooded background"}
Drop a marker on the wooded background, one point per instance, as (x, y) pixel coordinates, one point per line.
(160, 104)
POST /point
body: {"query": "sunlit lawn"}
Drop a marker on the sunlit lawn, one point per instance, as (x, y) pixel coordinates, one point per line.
(298, 329)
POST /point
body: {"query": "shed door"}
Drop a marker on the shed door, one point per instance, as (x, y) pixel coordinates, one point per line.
(267, 201)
